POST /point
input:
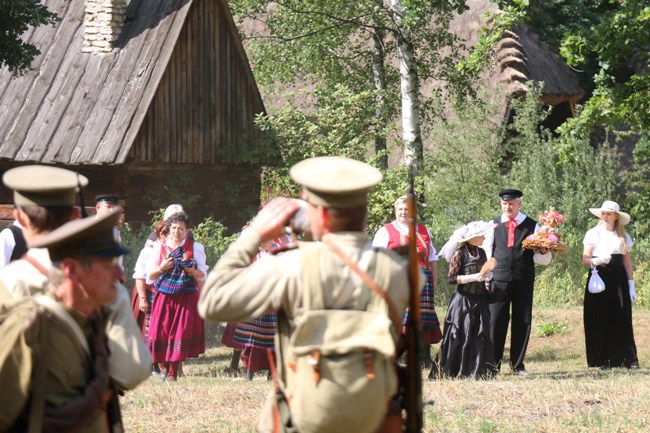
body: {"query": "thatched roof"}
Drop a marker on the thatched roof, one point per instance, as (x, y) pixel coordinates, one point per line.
(77, 108)
(520, 57)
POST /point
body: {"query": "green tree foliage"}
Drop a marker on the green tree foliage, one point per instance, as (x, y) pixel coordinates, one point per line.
(638, 182)
(319, 43)
(551, 180)
(339, 123)
(16, 17)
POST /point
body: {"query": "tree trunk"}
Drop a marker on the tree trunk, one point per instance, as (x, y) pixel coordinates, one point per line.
(410, 85)
(379, 76)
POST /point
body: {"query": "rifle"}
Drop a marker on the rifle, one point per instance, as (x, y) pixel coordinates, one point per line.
(413, 400)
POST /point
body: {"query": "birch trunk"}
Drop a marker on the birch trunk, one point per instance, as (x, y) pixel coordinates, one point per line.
(379, 75)
(410, 89)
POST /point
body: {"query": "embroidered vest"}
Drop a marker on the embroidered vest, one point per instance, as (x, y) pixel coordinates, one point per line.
(398, 239)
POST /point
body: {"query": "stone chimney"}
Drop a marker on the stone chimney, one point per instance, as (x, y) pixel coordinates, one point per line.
(103, 22)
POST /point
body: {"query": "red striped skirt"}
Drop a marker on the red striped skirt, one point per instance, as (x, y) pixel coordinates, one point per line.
(176, 331)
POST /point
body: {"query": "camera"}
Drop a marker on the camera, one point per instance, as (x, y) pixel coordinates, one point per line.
(298, 222)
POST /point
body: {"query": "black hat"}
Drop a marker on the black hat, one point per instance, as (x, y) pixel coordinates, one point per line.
(96, 237)
(108, 198)
(510, 194)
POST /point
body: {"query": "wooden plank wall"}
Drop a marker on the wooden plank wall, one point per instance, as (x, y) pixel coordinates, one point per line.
(226, 192)
(206, 99)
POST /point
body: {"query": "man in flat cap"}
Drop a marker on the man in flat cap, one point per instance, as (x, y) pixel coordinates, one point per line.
(105, 203)
(336, 191)
(53, 348)
(514, 279)
(44, 197)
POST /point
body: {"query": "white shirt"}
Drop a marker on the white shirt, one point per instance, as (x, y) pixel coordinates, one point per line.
(381, 239)
(538, 258)
(7, 245)
(606, 242)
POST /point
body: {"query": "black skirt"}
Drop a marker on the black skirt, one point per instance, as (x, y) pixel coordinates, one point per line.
(466, 349)
(609, 337)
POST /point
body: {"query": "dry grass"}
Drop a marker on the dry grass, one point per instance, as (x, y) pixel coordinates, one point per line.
(562, 395)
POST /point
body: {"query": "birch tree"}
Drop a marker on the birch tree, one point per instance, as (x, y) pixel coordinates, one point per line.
(331, 43)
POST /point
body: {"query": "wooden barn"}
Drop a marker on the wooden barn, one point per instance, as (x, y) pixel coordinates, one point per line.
(153, 100)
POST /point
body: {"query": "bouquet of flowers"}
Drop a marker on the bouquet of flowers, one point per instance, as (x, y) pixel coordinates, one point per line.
(548, 236)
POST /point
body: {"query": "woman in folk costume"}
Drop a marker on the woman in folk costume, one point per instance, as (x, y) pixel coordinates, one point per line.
(466, 349)
(176, 268)
(609, 336)
(395, 235)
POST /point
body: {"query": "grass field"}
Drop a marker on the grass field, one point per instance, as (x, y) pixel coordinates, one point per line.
(562, 395)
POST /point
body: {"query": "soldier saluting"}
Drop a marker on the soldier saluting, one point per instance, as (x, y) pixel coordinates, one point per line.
(334, 274)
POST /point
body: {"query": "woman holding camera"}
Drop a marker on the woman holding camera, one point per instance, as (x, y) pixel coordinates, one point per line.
(177, 269)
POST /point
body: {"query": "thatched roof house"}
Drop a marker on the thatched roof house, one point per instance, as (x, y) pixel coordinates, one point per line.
(521, 57)
(148, 98)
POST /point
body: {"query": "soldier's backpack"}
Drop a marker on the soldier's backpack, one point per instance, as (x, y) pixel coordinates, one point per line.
(339, 365)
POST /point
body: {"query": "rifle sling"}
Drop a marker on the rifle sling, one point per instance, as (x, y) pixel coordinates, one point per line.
(392, 310)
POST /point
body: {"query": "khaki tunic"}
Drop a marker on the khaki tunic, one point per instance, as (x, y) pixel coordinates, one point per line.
(69, 366)
(129, 361)
(238, 288)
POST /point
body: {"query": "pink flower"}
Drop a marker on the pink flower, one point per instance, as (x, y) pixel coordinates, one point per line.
(552, 238)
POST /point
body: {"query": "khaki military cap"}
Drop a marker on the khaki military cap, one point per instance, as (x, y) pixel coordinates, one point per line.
(335, 181)
(43, 185)
(96, 237)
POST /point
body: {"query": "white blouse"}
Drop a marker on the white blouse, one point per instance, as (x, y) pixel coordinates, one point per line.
(605, 242)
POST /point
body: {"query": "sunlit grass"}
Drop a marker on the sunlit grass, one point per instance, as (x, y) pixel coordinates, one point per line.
(562, 395)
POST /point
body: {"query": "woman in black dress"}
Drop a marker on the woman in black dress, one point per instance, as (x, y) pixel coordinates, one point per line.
(466, 349)
(609, 337)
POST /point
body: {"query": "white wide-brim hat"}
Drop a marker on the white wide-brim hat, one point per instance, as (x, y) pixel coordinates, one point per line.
(611, 206)
(464, 234)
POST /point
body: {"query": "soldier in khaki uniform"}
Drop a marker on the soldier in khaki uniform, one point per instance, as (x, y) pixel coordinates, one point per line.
(44, 198)
(53, 349)
(336, 192)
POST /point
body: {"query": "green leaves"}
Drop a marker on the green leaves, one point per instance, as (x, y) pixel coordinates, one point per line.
(16, 17)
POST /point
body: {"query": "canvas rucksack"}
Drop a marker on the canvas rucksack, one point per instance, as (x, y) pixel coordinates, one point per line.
(340, 364)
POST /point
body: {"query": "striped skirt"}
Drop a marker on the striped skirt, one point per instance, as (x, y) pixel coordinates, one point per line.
(256, 338)
(431, 332)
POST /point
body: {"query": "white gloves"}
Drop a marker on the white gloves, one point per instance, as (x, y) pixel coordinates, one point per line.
(597, 261)
(473, 278)
(485, 277)
(632, 292)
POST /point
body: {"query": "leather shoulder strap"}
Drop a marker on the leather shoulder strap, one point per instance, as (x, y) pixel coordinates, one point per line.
(392, 310)
(21, 245)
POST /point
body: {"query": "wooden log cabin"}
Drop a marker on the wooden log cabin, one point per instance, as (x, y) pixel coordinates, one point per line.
(150, 99)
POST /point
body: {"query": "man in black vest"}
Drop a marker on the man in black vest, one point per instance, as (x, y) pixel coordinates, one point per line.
(514, 279)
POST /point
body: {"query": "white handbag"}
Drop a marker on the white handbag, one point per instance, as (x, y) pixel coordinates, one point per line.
(596, 284)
